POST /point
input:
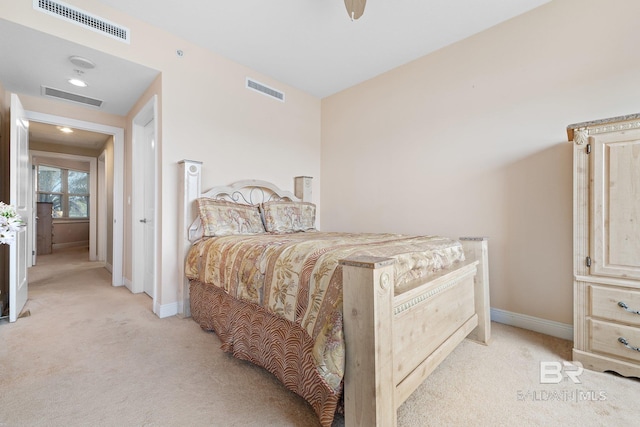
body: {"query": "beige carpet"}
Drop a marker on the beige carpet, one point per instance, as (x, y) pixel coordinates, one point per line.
(93, 355)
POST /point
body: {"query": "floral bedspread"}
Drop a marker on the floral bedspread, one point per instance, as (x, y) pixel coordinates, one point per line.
(297, 276)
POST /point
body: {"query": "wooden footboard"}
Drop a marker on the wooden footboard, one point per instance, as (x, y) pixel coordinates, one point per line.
(393, 342)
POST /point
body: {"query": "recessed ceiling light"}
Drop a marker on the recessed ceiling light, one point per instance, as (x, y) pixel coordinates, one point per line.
(65, 129)
(78, 82)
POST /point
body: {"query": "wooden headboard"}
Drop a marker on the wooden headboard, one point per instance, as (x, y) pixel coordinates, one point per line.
(246, 192)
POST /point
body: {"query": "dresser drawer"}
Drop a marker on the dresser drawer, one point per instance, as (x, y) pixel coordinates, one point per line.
(605, 304)
(605, 335)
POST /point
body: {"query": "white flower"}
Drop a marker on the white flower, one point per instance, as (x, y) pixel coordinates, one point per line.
(10, 222)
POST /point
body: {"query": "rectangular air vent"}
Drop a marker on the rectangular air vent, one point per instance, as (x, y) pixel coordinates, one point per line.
(68, 96)
(265, 90)
(83, 18)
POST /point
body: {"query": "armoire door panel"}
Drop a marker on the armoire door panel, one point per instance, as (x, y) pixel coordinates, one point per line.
(615, 205)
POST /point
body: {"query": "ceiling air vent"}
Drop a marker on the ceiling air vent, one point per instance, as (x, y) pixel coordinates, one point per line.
(83, 18)
(68, 96)
(265, 90)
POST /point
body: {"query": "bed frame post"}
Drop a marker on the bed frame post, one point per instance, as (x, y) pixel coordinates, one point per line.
(188, 192)
(476, 248)
(302, 188)
(369, 394)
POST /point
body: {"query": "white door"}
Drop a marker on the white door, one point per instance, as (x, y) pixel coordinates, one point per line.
(143, 202)
(19, 196)
(148, 161)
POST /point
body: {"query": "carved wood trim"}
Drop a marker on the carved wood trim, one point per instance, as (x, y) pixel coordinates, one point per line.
(594, 127)
(400, 308)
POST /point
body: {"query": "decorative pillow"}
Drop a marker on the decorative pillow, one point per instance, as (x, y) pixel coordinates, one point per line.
(222, 218)
(288, 217)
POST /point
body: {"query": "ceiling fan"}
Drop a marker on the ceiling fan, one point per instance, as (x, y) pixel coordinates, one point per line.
(355, 8)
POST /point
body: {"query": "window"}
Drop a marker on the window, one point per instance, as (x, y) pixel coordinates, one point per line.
(67, 189)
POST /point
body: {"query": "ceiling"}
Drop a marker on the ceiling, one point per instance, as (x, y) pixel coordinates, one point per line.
(312, 44)
(309, 44)
(50, 134)
(32, 59)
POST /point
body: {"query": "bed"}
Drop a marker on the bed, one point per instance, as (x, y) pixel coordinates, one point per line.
(352, 321)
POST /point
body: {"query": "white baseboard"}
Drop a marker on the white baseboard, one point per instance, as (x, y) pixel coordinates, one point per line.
(109, 267)
(82, 243)
(126, 282)
(547, 327)
(167, 310)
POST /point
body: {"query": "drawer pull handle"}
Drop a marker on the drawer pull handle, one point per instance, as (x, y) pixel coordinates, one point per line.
(626, 307)
(626, 344)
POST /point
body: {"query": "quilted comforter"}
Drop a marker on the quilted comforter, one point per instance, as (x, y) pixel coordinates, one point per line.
(297, 277)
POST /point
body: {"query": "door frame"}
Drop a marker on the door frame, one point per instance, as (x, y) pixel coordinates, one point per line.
(101, 249)
(117, 278)
(33, 230)
(147, 113)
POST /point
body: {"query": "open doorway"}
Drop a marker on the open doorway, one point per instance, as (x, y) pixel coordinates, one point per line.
(106, 190)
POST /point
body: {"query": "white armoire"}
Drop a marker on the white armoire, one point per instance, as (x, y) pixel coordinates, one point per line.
(606, 236)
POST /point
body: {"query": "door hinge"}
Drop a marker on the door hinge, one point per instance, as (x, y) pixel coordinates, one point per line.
(588, 261)
(588, 148)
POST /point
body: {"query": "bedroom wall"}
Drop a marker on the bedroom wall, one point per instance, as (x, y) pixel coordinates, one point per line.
(207, 115)
(471, 140)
